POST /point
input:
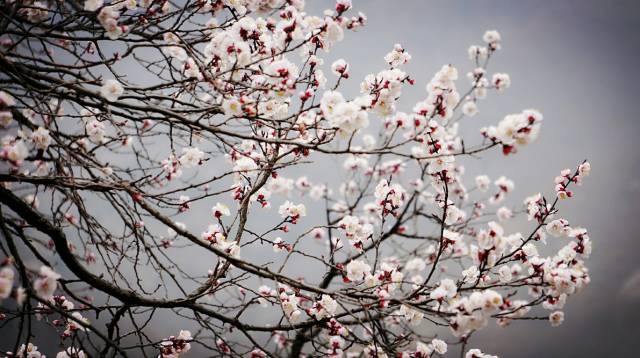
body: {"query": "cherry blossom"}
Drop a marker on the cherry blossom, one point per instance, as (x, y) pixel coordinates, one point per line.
(293, 211)
(41, 138)
(397, 57)
(6, 282)
(220, 210)
(29, 351)
(470, 108)
(325, 307)
(501, 81)
(93, 5)
(492, 38)
(476, 353)
(71, 352)
(132, 116)
(175, 346)
(357, 270)
(47, 283)
(111, 90)
(556, 318)
(191, 157)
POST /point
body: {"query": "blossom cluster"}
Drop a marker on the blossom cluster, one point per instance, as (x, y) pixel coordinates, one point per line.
(173, 347)
(102, 168)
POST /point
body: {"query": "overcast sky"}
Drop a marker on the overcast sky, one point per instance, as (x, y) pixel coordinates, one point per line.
(577, 62)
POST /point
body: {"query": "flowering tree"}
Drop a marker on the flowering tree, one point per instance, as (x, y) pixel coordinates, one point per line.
(123, 121)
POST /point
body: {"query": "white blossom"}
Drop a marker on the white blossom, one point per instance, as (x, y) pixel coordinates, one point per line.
(325, 307)
(6, 282)
(71, 352)
(111, 90)
(41, 138)
(288, 209)
(439, 346)
(92, 5)
(340, 68)
(470, 108)
(556, 318)
(29, 351)
(412, 316)
(397, 57)
(47, 282)
(191, 157)
(220, 210)
(483, 182)
(501, 81)
(96, 131)
(446, 289)
(357, 270)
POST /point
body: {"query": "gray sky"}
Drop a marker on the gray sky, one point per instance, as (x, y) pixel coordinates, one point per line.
(576, 61)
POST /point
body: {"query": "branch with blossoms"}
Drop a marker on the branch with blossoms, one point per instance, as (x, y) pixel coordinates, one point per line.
(148, 175)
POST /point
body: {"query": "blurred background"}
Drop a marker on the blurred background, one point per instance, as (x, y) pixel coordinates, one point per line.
(577, 62)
